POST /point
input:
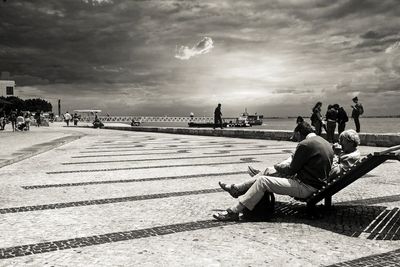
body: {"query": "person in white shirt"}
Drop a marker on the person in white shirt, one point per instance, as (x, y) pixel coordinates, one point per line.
(67, 118)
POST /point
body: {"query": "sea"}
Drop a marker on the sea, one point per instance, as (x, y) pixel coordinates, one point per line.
(368, 125)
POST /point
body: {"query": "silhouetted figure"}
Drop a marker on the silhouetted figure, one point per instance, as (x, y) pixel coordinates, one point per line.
(218, 117)
(38, 119)
(331, 118)
(97, 123)
(76, 119)
(296, 135)
(342, 118)
(358, 110)
(299, 119)
(13, 119)
(316, 118)
(2, 119)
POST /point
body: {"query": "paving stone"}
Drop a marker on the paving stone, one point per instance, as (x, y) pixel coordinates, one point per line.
(154, 205)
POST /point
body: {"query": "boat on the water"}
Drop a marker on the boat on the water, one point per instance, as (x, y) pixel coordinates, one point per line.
(246, 118)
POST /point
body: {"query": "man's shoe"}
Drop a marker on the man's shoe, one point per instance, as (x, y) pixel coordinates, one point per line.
(227, 216)
(232, 190)
(252, 172)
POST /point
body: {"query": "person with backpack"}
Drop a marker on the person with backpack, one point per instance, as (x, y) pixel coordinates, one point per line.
(342, 118)
(358, 110)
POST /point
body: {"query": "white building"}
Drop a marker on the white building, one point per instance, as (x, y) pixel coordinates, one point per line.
(7, 86)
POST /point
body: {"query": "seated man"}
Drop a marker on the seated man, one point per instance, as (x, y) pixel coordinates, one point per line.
(346, 153)
(281, 169)
(97, 123)
(308, 171)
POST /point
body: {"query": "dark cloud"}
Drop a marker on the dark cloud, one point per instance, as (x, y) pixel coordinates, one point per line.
(374, 35)
(121, 53)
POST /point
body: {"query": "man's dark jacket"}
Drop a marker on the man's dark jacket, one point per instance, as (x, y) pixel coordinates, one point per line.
(312, 161)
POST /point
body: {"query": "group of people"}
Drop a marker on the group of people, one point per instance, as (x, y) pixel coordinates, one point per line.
(314, 162)
(20, 121)
(68, 118)
(76, 118)
(335, 114)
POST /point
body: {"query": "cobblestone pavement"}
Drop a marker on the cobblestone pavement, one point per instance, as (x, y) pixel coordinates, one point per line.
(114, 198)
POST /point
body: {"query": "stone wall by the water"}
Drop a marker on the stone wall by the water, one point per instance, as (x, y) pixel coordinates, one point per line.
(367, 139)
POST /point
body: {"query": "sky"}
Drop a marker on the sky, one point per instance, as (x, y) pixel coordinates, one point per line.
(155, 57)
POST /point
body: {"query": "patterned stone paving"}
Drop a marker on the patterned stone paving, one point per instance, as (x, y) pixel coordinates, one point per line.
(44, 247)
(133, 212)
(105, 201)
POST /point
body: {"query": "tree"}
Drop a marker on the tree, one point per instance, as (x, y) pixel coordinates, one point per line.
(32, 105)
(38, 104)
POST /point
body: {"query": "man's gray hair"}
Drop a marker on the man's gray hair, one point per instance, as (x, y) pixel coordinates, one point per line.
(352, 136)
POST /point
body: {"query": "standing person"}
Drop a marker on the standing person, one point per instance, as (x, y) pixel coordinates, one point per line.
(27, 120)
(2, 119)
(342, 119)
(306, 174)
(13, 119)
(331, 118)
(218, 117)
(358, 110)
(67, 118)
(38, 118)
(76, 119)
(316, 118)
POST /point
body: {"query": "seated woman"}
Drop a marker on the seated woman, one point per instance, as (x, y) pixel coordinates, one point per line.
(346, 153)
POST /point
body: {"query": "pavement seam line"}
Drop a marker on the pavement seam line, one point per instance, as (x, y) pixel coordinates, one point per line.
(133, 180)
(246, 160)
(107, 201)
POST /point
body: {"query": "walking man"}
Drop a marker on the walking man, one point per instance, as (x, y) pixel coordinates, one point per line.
(218, 117)
(355, 114)
(67, 118)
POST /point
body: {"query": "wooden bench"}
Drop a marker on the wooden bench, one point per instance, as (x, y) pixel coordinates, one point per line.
(359, 169)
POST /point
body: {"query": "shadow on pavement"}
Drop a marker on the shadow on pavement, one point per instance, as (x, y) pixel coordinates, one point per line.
(372, 222)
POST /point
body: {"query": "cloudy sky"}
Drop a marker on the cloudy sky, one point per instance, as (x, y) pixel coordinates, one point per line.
(158, 57)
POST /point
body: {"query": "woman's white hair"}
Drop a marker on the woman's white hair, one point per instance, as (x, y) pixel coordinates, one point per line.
(351, 136)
